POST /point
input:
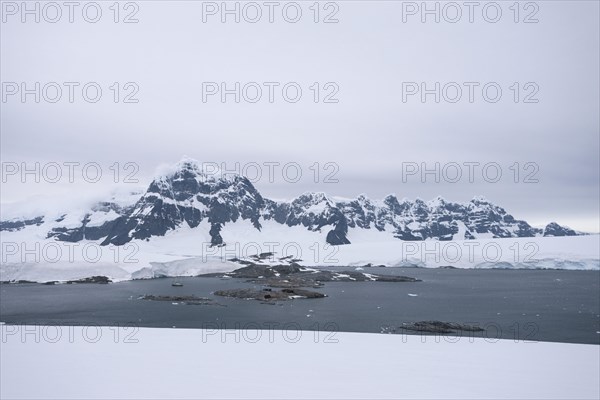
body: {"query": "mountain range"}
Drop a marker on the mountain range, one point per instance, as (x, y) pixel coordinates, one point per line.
(187, 196)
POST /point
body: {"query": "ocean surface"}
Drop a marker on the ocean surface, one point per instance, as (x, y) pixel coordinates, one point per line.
(532, 305)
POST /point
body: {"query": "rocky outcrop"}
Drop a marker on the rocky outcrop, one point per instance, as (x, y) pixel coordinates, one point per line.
(17, 225)
(554, 229)
(269, 294)
(295, 276)
(439, 327)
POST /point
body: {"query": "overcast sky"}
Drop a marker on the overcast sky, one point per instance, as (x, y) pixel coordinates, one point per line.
(370, 134)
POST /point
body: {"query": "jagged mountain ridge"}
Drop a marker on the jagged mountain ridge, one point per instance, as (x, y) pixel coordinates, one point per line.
(188, 195)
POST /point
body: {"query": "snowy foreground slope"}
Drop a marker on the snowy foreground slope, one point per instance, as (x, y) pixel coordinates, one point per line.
(179, 363)
(183, 253)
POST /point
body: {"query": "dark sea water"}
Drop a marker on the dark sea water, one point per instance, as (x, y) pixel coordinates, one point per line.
(537, 305)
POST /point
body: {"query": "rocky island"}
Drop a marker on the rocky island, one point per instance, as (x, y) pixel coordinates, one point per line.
(290, 278)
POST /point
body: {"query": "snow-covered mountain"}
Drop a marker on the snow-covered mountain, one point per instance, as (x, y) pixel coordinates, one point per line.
(186, 196)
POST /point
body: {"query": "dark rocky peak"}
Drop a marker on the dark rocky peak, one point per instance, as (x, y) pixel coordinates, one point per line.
(395, 206)
(309, 199)
(554, 229)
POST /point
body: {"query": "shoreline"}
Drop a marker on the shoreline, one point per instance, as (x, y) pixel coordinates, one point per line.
(318, 267)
